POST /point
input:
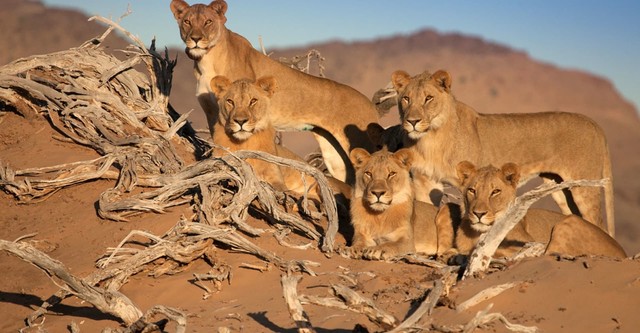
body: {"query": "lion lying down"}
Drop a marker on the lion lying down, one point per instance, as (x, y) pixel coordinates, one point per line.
(488, 191)
(386, 219)
(245, 124)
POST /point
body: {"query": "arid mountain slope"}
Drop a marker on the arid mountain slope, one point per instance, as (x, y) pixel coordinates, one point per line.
(487, 76)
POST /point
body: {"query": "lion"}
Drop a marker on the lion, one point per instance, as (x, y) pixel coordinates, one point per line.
(337, 114)
(488, 191)
(386, 219)
(245, 124)
(556, 146)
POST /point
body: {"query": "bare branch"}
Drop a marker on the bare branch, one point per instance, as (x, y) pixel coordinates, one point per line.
(105, 300)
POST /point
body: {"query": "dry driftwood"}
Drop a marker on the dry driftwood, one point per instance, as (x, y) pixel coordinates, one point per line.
(480, 258)
(303, 62)
(427, 305)
(289, 285)
(347, 299)
(108, 301)
(484, 317)
(99, 101)
(486, 294)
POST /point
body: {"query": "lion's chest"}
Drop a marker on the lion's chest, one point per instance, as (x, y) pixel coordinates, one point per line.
(434, 160)
(204, 72)
(387, 226)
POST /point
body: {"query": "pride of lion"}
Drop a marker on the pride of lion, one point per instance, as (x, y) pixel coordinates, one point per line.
(439, 142)
(338, 115)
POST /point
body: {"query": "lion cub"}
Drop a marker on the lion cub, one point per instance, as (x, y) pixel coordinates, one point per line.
(244, 124)
(487, 193)
(244, 114)
(386, 219)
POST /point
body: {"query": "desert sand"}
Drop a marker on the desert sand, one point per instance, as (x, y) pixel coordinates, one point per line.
(584, 294)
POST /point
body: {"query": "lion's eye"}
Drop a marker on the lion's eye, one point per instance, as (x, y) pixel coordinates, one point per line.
(253, 102)
(406, 99)
(391, 175)
(208, 22)
(428, 99)
(367, 174)
(495, 192)
(187, 22)
(471, 191)
(230, 102)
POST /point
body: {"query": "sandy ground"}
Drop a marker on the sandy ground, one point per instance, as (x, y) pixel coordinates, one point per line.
(583, 295)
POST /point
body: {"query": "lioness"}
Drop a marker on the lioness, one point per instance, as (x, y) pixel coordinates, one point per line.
(337, 114)
(386, 219)
(245, 124)
(554, 145)
(487, 193)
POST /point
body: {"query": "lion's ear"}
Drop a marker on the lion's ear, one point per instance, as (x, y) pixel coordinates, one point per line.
(219, 6)
(442, 79)
(400, 79)
(405, 156)
(178, 7)
(268, 84)
(359, 157)
(511, 172)
(219, 85)
(465, 171)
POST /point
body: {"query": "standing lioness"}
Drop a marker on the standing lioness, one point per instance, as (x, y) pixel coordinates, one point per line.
(554, 145)
(337, 114)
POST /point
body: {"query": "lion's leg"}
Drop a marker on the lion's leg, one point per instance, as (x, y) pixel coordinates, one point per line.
(560, 197)
(581, 201)
(210, 107)
(445, 218)
(575, 236)
(588, 199)
(401, 245)
(425, 189)
(336, 162)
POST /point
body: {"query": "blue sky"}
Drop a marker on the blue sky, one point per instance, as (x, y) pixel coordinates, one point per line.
(602, 37)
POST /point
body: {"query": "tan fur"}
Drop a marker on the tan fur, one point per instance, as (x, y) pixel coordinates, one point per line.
(487, 193)
(386, 219)
(554, 145)
(245, 124)
(337, 114)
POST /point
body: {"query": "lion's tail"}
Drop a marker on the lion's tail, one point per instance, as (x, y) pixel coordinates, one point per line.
(608, 193)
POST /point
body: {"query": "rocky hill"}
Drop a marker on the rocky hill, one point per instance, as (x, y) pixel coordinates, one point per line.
(490, 77)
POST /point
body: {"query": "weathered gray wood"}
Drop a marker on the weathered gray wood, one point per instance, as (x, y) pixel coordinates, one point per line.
(106, 300)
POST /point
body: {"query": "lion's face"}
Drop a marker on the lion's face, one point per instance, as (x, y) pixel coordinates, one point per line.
(200, 25)
(487, 192)
(382, 178)
(422, 101)
(244, 104)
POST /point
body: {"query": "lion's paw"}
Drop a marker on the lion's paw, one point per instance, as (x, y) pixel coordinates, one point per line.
(376, 253)
(350, 252)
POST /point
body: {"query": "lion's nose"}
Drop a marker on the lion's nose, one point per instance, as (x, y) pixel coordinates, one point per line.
(196, 39)
(479, 215)
(413, 122)
(241, 121)
(378, 194)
